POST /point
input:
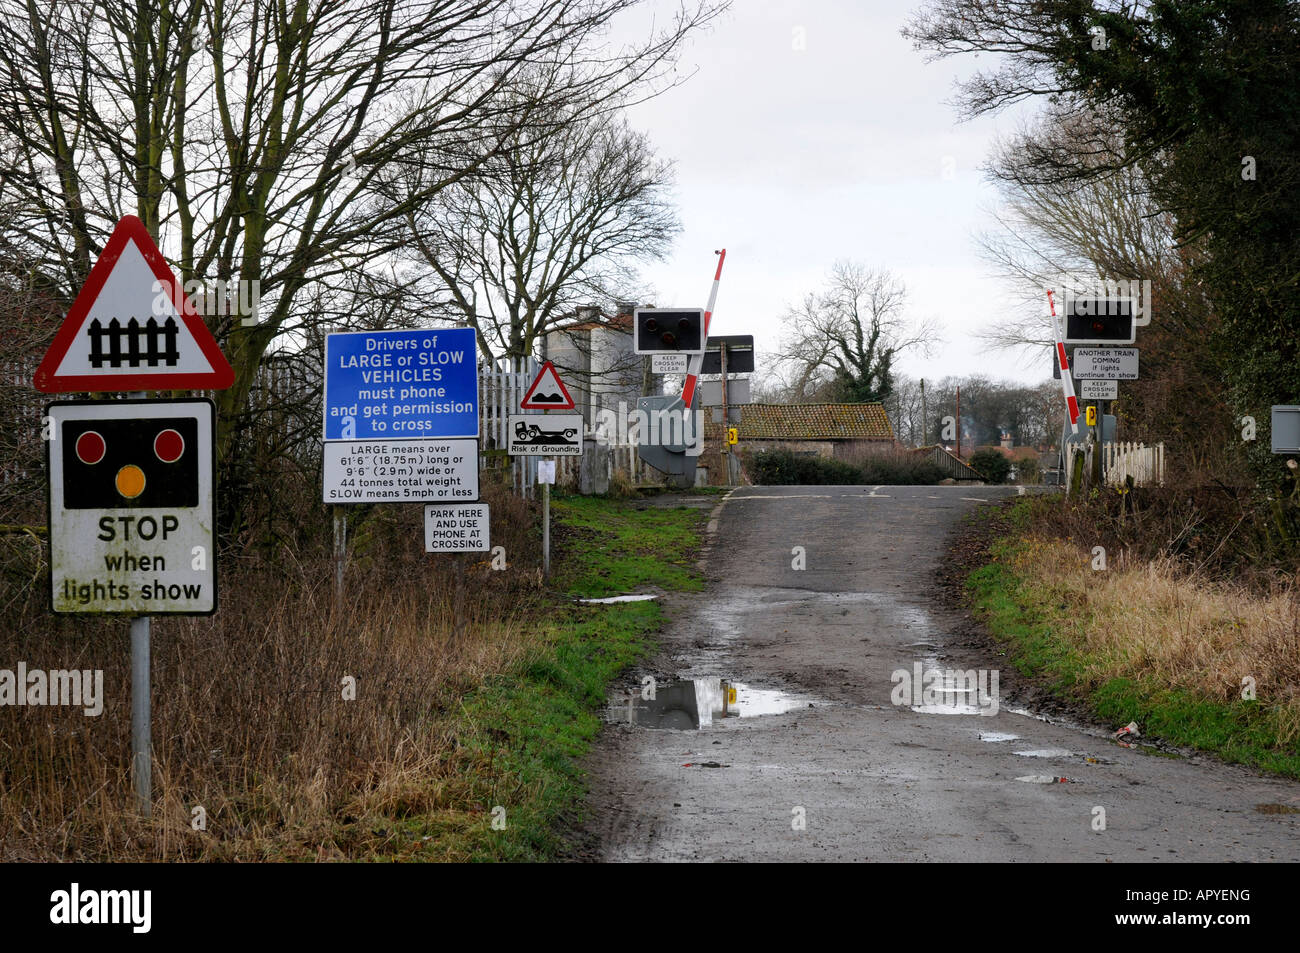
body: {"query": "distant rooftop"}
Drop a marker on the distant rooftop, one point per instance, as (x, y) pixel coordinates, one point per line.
(814, 422)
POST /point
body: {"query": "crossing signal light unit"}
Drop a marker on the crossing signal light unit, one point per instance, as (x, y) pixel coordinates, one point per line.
(656, 330)
(1099, 321)
(126, 463)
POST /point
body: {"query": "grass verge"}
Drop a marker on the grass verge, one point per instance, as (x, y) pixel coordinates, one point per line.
(529, 728)
(1144, 641)
(388, 725)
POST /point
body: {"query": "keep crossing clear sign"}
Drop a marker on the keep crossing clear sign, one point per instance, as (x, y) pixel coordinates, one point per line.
(401, 385)
(131, 507)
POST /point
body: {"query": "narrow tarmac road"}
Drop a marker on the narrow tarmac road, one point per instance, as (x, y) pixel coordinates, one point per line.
(837, 771)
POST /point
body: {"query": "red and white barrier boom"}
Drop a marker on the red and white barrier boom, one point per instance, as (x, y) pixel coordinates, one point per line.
(697, 360)
(1067, 382)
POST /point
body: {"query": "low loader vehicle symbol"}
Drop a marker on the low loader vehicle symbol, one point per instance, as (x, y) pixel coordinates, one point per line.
(535, 434)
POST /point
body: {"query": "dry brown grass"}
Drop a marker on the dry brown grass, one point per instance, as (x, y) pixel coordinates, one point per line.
(1151, 619)
(248, 716)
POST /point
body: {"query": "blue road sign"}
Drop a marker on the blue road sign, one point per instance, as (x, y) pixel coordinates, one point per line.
(401, 385)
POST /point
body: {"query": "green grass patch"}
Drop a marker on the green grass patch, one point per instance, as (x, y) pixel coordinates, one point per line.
(617, 548)
(524, 735)
(1028, 620)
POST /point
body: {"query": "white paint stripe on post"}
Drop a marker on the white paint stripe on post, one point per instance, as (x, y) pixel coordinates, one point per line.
(1067, 382)
(697, 360)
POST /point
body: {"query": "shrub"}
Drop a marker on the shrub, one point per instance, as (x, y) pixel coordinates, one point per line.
(896, 467)
(991, 465)
(786, 468)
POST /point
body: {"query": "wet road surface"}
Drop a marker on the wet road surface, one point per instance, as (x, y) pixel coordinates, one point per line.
(813, 760)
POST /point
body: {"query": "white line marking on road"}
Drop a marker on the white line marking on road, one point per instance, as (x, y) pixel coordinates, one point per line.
(792, 496)
(976, 499)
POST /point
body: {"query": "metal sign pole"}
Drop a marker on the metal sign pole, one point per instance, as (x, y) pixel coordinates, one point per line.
(141, 716)
(546, 530)
(141, 708)
(546, 525)
(340, 549)
(726, 421)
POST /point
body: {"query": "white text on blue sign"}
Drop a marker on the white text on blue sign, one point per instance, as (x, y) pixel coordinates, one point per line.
(401, 385)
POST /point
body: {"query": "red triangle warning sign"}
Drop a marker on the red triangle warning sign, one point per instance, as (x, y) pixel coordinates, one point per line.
(548, 392)
(132, 328)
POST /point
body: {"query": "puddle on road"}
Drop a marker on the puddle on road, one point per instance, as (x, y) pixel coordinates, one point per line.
(950, 686)
(958, 709)
(1277, 809)
(1045, 753)
(700, 702)
(998, 736)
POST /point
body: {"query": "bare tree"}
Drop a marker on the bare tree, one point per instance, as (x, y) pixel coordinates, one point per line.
(253, 134)
(1109, 227)
(842, 342)
(549, 223)
(1106, 227)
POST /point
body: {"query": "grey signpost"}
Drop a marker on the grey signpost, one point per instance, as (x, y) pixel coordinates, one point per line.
(562, 437)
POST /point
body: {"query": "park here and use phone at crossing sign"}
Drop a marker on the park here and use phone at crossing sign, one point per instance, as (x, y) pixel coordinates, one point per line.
(132, 514)
(401, 385)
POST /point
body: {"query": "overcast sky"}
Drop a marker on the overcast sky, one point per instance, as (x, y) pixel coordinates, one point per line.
(794, 158)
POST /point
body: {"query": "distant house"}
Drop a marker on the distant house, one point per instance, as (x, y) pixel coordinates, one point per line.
(834, 431)
(1015, 455)
(593, 353)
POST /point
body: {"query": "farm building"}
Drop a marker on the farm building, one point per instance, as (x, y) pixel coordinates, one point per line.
(834, 431)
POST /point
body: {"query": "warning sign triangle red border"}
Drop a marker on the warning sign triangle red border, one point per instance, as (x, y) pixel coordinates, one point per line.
(528, 404)
(130, 229)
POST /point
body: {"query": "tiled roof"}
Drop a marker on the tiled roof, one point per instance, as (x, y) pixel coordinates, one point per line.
(814, 422)
(619, 322)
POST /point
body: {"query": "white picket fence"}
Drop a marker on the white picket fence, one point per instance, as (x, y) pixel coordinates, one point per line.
(1146, 465)
(501, 386)
(623, 458)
